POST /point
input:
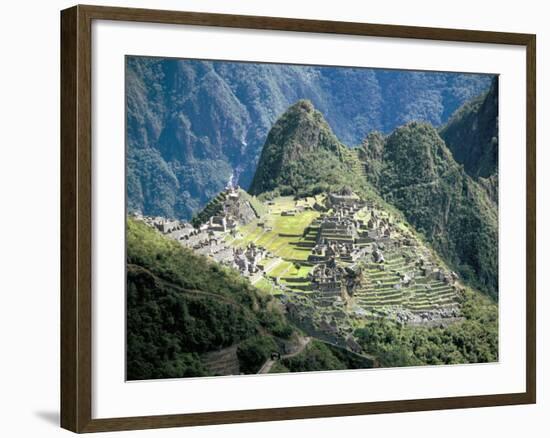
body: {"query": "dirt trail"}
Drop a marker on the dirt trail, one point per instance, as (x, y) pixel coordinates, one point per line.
(266, 367)
(194, 293)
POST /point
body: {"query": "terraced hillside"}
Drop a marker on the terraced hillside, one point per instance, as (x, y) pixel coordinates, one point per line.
(187, 316)
(382, 291)
(398, 287)
(338, 264)
(286, 239)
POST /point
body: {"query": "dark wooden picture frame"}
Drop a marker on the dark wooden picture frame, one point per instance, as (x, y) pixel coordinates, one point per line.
(76, 218)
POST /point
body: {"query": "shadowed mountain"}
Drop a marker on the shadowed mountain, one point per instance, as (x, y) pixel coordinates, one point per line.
(472, 134)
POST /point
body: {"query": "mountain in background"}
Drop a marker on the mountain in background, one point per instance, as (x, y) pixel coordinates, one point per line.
(301, 155)
(417, 174)
(472, 136)
(193, 125)
(411, 169)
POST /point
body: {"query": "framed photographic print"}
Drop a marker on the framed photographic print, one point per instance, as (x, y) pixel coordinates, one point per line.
(268, 218)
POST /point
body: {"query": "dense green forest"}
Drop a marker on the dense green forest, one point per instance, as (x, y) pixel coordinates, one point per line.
(301, 155)
(319, 356)
(180, 305)
(418, 175)
(474, 340)
(472, 134)
(253, 352)
(191, 124)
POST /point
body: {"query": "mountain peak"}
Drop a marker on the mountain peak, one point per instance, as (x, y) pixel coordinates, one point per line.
(302, 105)
(418, 174)
(298, 133)
(418, 154)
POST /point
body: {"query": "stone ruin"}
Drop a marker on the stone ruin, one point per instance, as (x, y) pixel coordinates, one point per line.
(334, 282)
(342, 251)
(165, 226)
(377, 255)
(236, 209)
(345, 198)
(207, 239)
(203, 240)
(329, 279)
(247, 260)
(221, 223)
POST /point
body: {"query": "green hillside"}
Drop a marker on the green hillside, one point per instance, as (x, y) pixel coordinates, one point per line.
(419, 176)
(320, 356)
(474, 340)
(191, 124)
(472, 134)
(180, 306)
(412, 170)
(301, 155)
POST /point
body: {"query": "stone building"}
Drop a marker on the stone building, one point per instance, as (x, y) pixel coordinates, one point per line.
(236, 208)
(336, 228)
(377, 255)
(247, 260)
(329, 279)
(346, 252)
(344, 198)
(165, 225)
(221, 223)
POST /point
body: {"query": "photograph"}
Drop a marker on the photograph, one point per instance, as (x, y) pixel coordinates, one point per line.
(285, 218)
(252, 219)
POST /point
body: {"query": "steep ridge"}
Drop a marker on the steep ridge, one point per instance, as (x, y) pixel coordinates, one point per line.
(472, 134)
(301, 154)
(242, 206)
(413, 171)
(183, 311)
(418, 174)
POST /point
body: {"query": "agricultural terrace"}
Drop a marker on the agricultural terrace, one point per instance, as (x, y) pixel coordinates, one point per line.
(282, 231)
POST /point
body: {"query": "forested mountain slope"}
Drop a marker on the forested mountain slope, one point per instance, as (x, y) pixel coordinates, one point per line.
(301, 154)
(181, 306)
(191, 125)
(418, 174)
(411, 169)
(472, 134)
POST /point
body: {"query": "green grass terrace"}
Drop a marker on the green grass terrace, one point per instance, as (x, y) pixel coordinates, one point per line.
(287, 238)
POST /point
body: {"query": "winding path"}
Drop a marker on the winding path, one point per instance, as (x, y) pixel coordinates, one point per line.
(266, 367)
